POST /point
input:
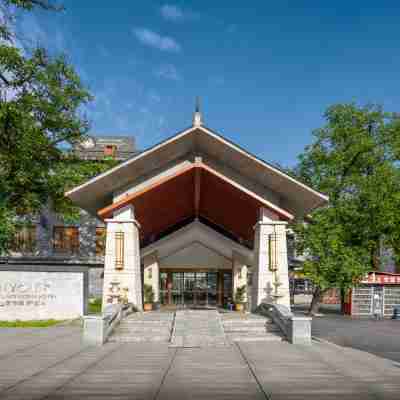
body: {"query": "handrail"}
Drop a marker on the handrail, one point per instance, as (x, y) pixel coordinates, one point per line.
(98, 328)
(297, 329)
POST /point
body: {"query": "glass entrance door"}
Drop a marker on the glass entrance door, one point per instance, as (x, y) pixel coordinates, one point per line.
(212, 289)
(201, 289)
(195, 288)
(189, 293)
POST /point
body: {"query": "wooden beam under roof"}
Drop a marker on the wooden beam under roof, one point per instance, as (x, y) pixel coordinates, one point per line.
(198, 165)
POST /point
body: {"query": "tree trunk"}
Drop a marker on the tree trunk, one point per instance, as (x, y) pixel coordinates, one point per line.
(342, 299)
(315, 302)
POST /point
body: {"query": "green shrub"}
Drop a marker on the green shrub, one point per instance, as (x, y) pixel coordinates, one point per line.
(148, 293)
(240, 294)
(95, 305)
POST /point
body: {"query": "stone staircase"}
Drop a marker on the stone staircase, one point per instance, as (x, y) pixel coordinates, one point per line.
(198, 328)
(195, 328)
(241, 327)
(144, 327)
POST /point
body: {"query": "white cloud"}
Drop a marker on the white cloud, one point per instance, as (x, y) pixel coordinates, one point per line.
(168, 71)
(171, 12)
(153, 39)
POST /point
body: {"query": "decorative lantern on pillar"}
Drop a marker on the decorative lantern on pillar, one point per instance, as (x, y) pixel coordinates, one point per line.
(273, 251)
(119, 250)
(274, 262)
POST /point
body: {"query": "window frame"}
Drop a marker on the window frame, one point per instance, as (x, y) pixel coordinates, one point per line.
(100, 241)
(25, 239)
(70, 246)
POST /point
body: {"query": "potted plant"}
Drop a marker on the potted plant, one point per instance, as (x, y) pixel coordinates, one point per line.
(148, 297)
(239, 298)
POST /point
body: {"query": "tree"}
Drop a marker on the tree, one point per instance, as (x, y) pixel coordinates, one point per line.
(40, 121)
(331, 261)
(354, 159)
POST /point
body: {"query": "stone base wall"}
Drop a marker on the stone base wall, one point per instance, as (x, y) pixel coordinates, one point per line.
(96, 277)
(33, 292)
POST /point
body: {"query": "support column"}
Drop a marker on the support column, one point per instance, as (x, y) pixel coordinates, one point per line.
(270, 269)
(122, 274)
(239, 273)
(151, 274)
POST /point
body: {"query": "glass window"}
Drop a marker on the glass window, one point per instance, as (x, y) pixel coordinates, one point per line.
(25, 239)
(66, 239)
(100, 240)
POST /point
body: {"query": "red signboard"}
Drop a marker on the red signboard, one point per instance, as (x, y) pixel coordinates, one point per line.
(382, 278)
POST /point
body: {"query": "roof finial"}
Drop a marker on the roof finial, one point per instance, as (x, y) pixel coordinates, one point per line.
(197, 120)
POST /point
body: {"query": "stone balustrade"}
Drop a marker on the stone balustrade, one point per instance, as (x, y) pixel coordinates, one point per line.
(97, 328)
(297, 329)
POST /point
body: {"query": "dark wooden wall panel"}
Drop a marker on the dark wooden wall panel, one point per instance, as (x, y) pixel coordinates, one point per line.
(217, 200)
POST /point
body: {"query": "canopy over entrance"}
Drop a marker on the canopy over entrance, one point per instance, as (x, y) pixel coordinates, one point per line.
(197, 174)
(196, 179)
(196, 191)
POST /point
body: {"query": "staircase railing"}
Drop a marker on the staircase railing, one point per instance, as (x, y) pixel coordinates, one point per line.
(297, 329)
(98, 328)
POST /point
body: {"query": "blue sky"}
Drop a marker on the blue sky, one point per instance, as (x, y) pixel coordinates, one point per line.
(265, 71)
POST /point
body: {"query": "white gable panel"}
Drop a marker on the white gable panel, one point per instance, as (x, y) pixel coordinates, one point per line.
(196, 255)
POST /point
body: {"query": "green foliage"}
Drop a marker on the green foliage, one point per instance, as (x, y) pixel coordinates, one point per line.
(240, 294)
(355, 160)
(69, 173)
(332, 261)
(95, 306)
(148, 293)
(41, 101)
(7, 228)
(40, 117)
(29, 324)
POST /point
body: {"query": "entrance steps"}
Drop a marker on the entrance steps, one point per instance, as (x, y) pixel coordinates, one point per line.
(243, 327)
(198, 328)
(195, 328)
(144, 327)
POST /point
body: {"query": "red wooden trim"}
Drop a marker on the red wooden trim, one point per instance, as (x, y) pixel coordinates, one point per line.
(197, 190)
(106, 211)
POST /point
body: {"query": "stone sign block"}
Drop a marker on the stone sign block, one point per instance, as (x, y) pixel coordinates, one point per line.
(38, 295)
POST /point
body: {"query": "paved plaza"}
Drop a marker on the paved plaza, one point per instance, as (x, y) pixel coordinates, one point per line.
(52, 363)
(381, 337)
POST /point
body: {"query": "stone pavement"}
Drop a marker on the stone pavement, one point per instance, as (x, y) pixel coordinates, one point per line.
(52, 363)
(381, 338)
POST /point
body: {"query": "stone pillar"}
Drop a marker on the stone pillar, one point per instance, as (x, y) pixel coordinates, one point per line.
(87, 235)
(122, 271)
(239, 273)
(270, 282)
(151, 274)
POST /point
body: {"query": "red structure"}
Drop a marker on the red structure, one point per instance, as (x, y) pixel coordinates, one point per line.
(379, 291)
